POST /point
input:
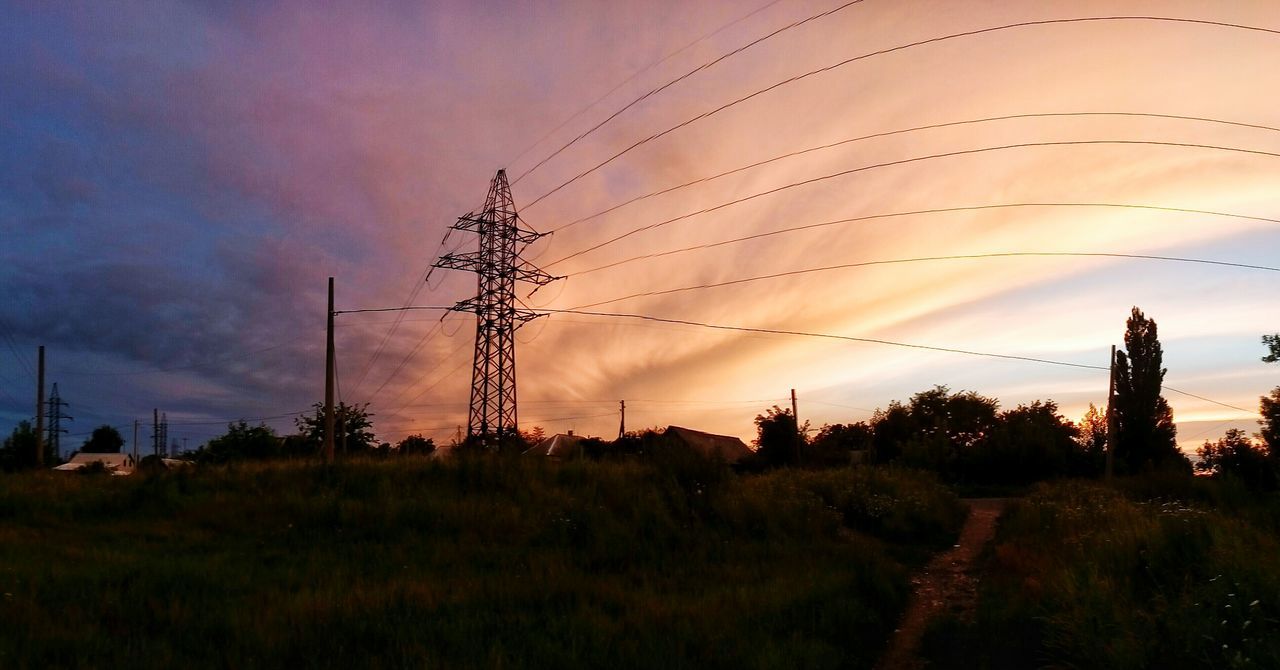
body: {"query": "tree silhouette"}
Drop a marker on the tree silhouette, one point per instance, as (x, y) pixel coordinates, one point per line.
(19, 449)
(104, 440)
(1269, 408)
(1235, 454)
(1273, 348)
(778, 439)
(353, 420)
(1145, 434)
(241, 441)
(415, 444)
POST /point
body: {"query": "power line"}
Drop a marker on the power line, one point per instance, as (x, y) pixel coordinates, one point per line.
(704, 66)
(829, 336)
(932, 126)
(938, 210)
(828, 68)
(636, 74)
(842, 173)
(845, 266)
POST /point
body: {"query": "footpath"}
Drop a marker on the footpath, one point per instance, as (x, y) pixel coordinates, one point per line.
(949, 583)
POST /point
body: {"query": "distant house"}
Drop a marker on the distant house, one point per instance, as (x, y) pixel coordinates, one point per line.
(729, 449)
(560, 445)
(116, 464)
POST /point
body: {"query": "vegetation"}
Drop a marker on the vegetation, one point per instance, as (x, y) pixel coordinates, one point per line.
(19, 449)
(479, 561)
(104, 440)
(1172, 572)
(353, 426)
(1146, 438)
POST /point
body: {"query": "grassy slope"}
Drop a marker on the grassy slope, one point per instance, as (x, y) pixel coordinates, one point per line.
(1084, 576)
(476, 563)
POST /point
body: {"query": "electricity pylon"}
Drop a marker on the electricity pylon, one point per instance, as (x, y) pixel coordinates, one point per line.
(498, 265)
(56, 403)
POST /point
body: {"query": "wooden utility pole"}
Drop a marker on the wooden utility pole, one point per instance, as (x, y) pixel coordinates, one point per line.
(40, 410)
(795, 414)
(328, 384)
(622, 422)
(1111, 417)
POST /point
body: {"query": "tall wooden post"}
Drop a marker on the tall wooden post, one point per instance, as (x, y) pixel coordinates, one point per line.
(328, 383)
(1111, 417)
(622, 421)
(40, 410)
(795, 414)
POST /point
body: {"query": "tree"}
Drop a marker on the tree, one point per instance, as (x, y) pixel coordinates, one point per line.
(1269, 408)
(241, 441)
(1236, 455)
(835, 444)
(1145, 434)
(1030, 443)
(778, 439)
(104, 440)
(19, 449)
(1093, 432)
(1273, 348)
(353, 420)
(415, 444)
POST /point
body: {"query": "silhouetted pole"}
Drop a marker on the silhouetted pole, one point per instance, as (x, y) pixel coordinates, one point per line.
(796, 415)
(1111, 417)
(155, 432)
(40, 410)
(135, 442)
(622, 422)
(328, 383)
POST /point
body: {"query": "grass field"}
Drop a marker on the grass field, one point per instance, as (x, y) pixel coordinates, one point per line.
(478, 562)
(1159, 573)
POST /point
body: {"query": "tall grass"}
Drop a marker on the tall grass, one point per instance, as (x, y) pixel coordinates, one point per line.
(478, 562)
(1084, 576)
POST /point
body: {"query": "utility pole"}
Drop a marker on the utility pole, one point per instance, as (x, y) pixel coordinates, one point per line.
(498, 267)
(40, 410)
(1111, 417)
(135, 442)
(796, 415)
(328, 383)
(622, 423)
(56, 430)
(155, 432)
(164, 434)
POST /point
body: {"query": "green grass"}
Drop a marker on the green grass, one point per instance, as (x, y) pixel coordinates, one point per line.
(1086, 576)
(478, 562)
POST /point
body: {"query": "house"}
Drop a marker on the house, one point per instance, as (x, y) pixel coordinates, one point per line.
(560, 445)
(723, 447)
(116, 464)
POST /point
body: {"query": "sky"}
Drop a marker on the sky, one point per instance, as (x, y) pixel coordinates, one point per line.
(178, 180)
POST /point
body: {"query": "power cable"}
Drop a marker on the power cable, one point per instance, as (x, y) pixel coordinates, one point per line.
(932, 126)
(842, 173)
(637, 74)
(925, 259)
(704, 66)
(938, 210)
(828, 68)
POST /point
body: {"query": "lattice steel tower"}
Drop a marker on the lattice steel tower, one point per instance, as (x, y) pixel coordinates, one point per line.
(498, 266)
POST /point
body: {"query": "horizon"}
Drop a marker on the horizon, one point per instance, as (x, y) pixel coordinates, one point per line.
(179, 181)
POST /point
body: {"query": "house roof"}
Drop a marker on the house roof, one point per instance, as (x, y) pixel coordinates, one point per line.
(118, 464)
(731, 449)
(556, 445)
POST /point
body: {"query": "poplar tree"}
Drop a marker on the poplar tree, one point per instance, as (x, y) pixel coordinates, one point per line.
(1145, 434)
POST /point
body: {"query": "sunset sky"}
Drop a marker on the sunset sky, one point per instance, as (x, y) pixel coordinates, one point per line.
(178, 180)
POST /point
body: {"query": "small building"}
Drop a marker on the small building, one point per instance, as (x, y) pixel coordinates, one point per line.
(116, 464)
(723, 447)
(560, 445)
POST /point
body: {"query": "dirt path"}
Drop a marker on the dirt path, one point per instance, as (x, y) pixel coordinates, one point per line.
(948, 582)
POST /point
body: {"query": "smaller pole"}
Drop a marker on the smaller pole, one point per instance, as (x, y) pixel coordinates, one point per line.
(796, 415)
(622, 423)
(328, 383)
(1111, 417)
(155, 432)
(135, 442)
(40, 411)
